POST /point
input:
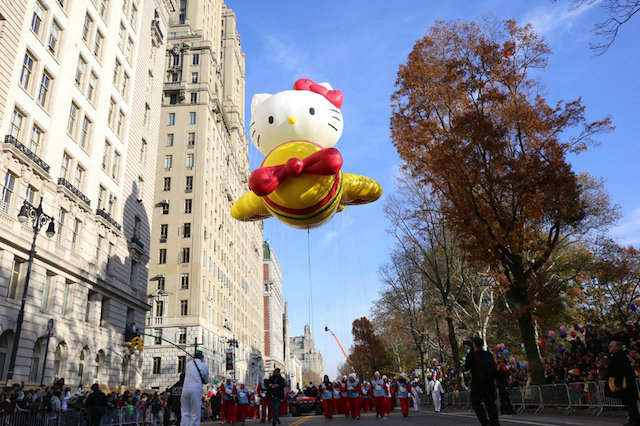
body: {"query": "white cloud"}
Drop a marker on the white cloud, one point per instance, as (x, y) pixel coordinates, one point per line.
(341, 222)
(628, 232)
(553, 18)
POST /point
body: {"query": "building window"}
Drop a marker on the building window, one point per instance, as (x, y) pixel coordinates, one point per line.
(103, 7)
(27, 69)
(168, 162)
(188, 184)
(164, 231)
(162, 256)
(115, 167)
(71, 123)
(184, 281)
(182, 362)
(125, 84)
(30, 194)
(194, 98)
(105, 156)
(173, 99)
(156, 365)
(48, 290)
(85, 132)
(172, 119)
(97, 44)
(167, 184)
(182, 336)
(104, 311)
(188, 203)
(196, 58)
(58, 359)
(15, 128)
(120, 125)
(80, 71)
(15, 279)
(54, 35)
(61, 216)
(64, 166)
(143, 152)
(112, 112)
(91, 87)
(45, 86)
(165, 208)
(34, 142)
(158, 337)
(192, 117)
(35, 362)
(116, 72)
(75, 230)
(186, 255)
(191, 139)
(190, 160)
(176, 60)
(194, 77)
(186, 230)
(160, 304)
(160, 281)
(79, 178)
(184, 307)
(36, 20)
(86, 28)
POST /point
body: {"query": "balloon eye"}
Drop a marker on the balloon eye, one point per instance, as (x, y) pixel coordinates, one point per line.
(271, 119)
(312, 111)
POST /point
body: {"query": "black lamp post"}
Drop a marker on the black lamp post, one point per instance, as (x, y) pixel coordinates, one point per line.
(38, 220)
(233, 344)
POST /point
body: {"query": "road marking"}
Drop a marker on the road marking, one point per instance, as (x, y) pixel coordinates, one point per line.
(502, 419)
(300, 421)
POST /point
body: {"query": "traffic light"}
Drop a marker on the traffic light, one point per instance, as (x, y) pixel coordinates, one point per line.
(137, 344)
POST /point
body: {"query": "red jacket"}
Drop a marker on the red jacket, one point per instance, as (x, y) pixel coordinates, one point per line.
(228, 395)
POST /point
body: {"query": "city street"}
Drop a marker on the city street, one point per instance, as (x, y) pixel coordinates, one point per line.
(454, 417)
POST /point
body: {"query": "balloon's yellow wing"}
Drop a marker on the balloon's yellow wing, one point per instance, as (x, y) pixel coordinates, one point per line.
(359, 189)
(249, 207)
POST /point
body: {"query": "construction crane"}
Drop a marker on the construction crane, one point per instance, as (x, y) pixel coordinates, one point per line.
(341, 348)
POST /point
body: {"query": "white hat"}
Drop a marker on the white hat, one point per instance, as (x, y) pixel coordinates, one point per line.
(377, 372)
(384, 377)
(352, 375)
(402, 375)
(242, 383)
(228, 377)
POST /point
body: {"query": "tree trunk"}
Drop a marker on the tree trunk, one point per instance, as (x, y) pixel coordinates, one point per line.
(455, 354)
(528, 332)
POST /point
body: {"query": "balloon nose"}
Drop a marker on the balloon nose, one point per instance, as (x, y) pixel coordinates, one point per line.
(292, 120)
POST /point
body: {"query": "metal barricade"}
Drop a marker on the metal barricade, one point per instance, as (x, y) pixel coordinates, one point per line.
(131, 415)
(608, 401)
(532, 397)
(556, 396)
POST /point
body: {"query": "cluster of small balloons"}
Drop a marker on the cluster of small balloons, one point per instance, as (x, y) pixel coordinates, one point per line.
(634, 306)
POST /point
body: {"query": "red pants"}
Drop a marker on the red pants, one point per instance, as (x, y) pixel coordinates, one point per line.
(380, 404)
(242, 412)
(327, 408)
(228, 408)
(337, 406)
(345, 406)
(366, 404)
(265, 403)
(404, 406)
(283, 408)
(354, 407)
(389, 402)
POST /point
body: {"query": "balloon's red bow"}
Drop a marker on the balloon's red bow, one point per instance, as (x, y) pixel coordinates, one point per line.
(265, 180)
(333, 96)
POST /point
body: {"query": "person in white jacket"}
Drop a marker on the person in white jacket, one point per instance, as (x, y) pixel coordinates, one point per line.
(196, 374)
(436, 390)
(416, 390)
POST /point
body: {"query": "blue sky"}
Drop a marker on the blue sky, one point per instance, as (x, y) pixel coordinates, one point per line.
(357, 46)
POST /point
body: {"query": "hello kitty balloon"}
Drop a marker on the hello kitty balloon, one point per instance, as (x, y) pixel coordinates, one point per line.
(300, 181)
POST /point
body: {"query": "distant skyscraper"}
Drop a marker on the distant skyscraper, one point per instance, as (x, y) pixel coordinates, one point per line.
(273, 316)
(304, 349)
(80, 89)
(206, 268)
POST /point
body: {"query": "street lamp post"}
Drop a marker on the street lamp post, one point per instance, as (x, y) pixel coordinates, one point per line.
(38, 220)
(233, 344)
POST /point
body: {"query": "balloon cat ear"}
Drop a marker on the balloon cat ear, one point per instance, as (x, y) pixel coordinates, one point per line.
(257, 100)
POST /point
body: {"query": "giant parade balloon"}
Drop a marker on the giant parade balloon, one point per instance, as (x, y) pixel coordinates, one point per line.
(300, 181)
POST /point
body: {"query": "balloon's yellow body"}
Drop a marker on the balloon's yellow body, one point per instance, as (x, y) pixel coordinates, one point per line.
(309, 200)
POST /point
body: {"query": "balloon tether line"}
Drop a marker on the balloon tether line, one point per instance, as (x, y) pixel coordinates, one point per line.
(310, 286)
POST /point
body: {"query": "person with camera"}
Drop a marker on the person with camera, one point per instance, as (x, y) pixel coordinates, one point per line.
(622, 381)
(276, 392)
(483, 373)
(196, 374)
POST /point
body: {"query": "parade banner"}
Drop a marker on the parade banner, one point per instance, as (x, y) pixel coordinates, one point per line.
(229, 353)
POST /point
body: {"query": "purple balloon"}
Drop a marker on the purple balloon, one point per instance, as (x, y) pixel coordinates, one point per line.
(563, 334)
(552, 340)
(561, 350)
(576, 327)
(633, 307)
(563, 328)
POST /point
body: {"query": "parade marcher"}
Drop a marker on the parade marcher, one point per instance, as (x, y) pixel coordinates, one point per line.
(265, 401)
(195, 376)
(622, 381)
(326, 393)
(229, 393)
(387, 396)
(337, 401)
(365, 397)
(354, 387)
(416, 390)
(436, 390)
(483, 373)
(344, 396)
(96, 403)
(276, 393)
(242, 408)
(402, 388)
(378, 394)
(502, 382)
(253, 405)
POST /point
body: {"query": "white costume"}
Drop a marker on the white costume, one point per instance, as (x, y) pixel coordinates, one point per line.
(416, 391)
(191, 399)
(436, 390)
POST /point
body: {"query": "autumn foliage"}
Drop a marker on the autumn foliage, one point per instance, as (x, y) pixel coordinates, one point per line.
(470, 122)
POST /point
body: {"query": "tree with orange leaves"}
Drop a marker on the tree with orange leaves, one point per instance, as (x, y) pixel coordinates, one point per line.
(471, 123)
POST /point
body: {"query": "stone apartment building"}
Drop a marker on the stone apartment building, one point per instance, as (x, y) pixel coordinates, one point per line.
(305, 351)
(274, 327)
(205, 282)
(80, 89)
